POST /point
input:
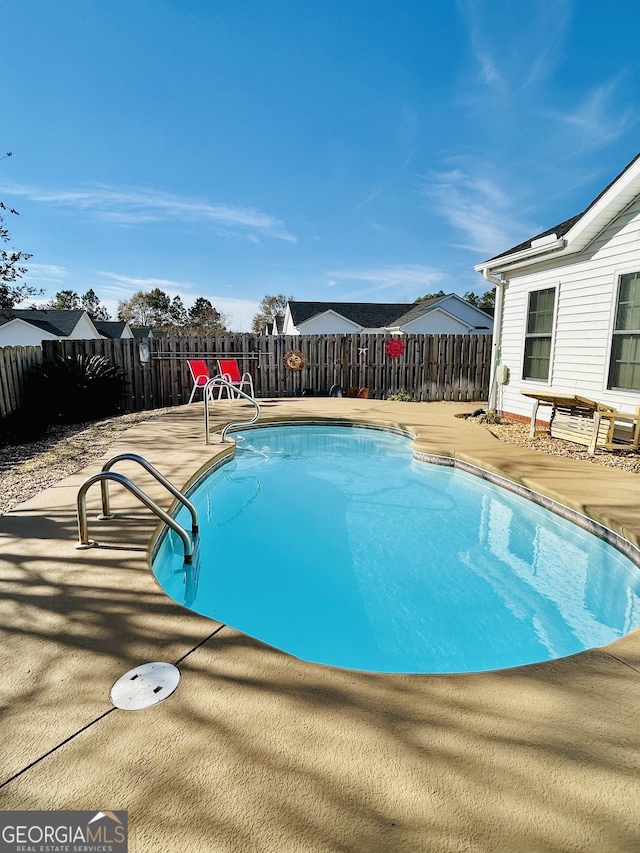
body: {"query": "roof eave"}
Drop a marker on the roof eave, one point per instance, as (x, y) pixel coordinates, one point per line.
(525, 257)
(614, 202)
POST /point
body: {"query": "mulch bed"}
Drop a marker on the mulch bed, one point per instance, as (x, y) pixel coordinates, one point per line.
(27, 469)
(518, 433)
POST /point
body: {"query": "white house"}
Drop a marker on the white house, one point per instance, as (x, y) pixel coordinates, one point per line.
(567, 316)
(441, 315)
(30, 326)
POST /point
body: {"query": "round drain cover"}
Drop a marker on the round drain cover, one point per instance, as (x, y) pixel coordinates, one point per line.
(144, 686)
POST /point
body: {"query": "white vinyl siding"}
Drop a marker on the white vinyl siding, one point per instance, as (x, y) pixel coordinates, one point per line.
(19, 333)
(84, 330)
(328, 323)
(585, 307)
(436, 322)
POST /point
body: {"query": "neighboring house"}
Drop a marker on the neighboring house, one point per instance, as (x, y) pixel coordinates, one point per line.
(568, 306)
(112, 329)
(276, 326)
(144, 333)
(30, 326)
(441, 315)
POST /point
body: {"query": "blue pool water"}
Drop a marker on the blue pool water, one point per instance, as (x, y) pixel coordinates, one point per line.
(335, 545)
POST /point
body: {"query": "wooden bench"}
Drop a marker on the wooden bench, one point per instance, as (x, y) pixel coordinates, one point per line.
(583, 421)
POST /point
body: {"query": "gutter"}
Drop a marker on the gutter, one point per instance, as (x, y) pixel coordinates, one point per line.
(533, 255)
(496, 344)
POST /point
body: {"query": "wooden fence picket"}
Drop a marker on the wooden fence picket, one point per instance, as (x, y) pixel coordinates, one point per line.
(16, 363)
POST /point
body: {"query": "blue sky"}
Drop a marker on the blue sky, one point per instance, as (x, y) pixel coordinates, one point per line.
(343, 150)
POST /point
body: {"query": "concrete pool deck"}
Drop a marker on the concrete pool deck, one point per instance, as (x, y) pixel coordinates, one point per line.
(258, 751)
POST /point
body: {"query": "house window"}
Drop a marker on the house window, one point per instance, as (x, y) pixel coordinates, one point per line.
(624, 368)
(537, 342)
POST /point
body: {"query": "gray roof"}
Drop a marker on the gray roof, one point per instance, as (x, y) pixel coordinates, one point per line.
(369, 315)
(110, 328)
(564, 227)
(144, 332)
(141, 332)
(57, 322)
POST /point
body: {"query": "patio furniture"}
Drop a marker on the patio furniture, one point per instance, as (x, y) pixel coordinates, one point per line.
(200, 375)
(584, 421)
(230, 371)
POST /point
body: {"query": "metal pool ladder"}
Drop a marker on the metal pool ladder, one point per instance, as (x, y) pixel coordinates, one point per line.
(222, 383)
(107, 474)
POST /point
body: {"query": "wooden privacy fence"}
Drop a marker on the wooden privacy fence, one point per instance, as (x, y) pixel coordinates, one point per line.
(432, 367)
(15, 364)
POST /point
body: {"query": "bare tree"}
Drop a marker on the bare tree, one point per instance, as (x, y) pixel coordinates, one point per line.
(270, 307)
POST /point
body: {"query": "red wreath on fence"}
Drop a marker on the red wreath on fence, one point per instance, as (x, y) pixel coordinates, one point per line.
(394, 348)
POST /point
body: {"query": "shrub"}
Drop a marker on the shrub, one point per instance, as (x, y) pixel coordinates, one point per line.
(402, 397)
(77, 388)
(489, 417)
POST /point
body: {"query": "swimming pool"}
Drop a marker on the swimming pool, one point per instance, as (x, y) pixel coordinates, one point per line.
(334, 544)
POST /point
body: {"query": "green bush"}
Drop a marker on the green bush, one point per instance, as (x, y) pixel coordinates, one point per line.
(77, 388)
(402, 397)
(490, 417)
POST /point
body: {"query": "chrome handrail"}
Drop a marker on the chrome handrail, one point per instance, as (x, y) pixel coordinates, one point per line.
(133, 457)
(83, 532)
(218, 380)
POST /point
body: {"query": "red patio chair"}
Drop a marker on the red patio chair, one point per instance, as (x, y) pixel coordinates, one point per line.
(230, 371)
(200, 375)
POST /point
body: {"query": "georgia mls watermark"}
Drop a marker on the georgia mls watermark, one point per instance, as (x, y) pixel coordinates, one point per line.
(63, 832)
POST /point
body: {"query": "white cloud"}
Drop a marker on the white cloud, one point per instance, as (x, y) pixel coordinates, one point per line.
(511, 57)
(409, 279)
(42, 273)
(124, 285)
(476, 207)
(480, 44)
(596, 121)
(139, 206)
(373, 194)
(239, 312)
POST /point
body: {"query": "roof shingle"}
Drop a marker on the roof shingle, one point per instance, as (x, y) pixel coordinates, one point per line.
(57, 322)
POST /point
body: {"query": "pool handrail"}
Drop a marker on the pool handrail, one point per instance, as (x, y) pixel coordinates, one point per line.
(83, 532)
(134, 457)
(221, 382)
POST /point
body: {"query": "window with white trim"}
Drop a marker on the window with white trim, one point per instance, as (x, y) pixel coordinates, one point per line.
(624, 367)
(539, 334)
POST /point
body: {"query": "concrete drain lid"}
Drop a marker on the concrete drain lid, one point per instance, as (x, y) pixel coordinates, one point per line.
(144, 686)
